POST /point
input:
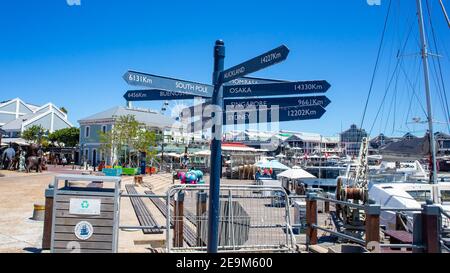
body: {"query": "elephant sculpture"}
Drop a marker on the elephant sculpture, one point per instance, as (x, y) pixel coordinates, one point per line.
(35, 160)
(8, 157)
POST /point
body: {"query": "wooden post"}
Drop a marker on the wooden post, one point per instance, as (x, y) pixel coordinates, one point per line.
(311, 219)
(431, 227)
(418, 232)
(372, 224)
(178, 221)
(201, 209)
(327, 206)
(47, 233)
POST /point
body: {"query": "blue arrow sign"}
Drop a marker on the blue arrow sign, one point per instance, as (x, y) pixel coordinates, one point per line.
(251, 80)
(284, 114)
(265, 60)
(280, 102)
(155, 94)
(252, 116)
(169, 84)
(276, 89)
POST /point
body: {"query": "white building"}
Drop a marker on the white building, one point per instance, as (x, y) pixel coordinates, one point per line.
(16, 116)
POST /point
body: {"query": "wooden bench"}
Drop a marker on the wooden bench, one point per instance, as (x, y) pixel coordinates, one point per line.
(398, 237)
(143, 214)
(190, 236)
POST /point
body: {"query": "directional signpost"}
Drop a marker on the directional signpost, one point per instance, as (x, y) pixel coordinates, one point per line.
(169, 84)
(239, 99)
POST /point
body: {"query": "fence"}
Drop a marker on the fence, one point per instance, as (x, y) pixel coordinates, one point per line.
(252, 218)
(427, 234)
(258, 218)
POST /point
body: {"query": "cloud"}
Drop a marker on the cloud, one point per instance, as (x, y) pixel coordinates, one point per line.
(73, 2)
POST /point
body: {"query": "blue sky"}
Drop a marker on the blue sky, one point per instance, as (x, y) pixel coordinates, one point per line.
(75, 56)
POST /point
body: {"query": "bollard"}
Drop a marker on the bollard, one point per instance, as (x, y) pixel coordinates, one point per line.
(311, 218)
(38, 212)
(372, 224)
(178, 220)
(47, 232)
(201, 209)
(431, 225)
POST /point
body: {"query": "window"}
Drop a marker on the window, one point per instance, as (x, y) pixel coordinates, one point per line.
(420, 196)
(104, 129)
(87, 131)
(445, 196)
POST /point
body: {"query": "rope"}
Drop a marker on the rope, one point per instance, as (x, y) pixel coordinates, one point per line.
(376, 63)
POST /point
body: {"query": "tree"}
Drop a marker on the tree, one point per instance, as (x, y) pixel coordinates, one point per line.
(128, 133)
(64, 110)
(68, 137)
(35, 134)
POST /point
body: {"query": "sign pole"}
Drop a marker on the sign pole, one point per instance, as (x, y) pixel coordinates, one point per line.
(216, 152)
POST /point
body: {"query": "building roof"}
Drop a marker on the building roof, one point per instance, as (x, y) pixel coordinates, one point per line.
(41, 113)
(145, 116)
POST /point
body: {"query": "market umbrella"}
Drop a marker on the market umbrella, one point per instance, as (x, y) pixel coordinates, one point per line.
(273, 164)
(296, 173)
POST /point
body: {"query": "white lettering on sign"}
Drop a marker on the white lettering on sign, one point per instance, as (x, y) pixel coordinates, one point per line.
(139, 78)
(234, 72)
(244, 81)
(191, 87)
(85, 206)
(301, 112)
(171, 94)
(310, 102)
(249, 103)
(308, 86)
(270, 57)
(137, 95)
(240, 90)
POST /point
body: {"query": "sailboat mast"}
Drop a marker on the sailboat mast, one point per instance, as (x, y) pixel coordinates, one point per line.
(424, 52)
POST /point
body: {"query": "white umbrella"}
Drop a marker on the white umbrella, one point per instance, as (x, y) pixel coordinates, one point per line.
(296, 173)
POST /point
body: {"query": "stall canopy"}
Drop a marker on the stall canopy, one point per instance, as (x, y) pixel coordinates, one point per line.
(18, 141)
(273, 164)
(203, 153)
(296, 173)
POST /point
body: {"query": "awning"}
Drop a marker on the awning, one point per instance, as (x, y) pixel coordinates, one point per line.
(18, 141)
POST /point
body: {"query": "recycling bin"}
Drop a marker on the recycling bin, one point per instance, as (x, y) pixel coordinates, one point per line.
(85, 214)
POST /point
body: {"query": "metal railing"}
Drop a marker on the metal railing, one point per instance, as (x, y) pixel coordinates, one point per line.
(374, 211)
(252, 218)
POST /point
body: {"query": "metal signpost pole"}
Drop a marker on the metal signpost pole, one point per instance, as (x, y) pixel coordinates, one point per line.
(216, 152)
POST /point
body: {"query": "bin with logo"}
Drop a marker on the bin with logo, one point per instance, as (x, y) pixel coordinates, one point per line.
(85, 214)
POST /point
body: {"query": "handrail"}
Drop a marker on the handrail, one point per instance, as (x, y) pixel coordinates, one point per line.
(143, 195)
(340, 202)
(338, 234)
(400, 209)
(445, 213)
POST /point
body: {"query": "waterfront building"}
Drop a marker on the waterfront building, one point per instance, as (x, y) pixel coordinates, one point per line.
(350, 140)
(92, 126)
(16, 116)
(302, 142)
